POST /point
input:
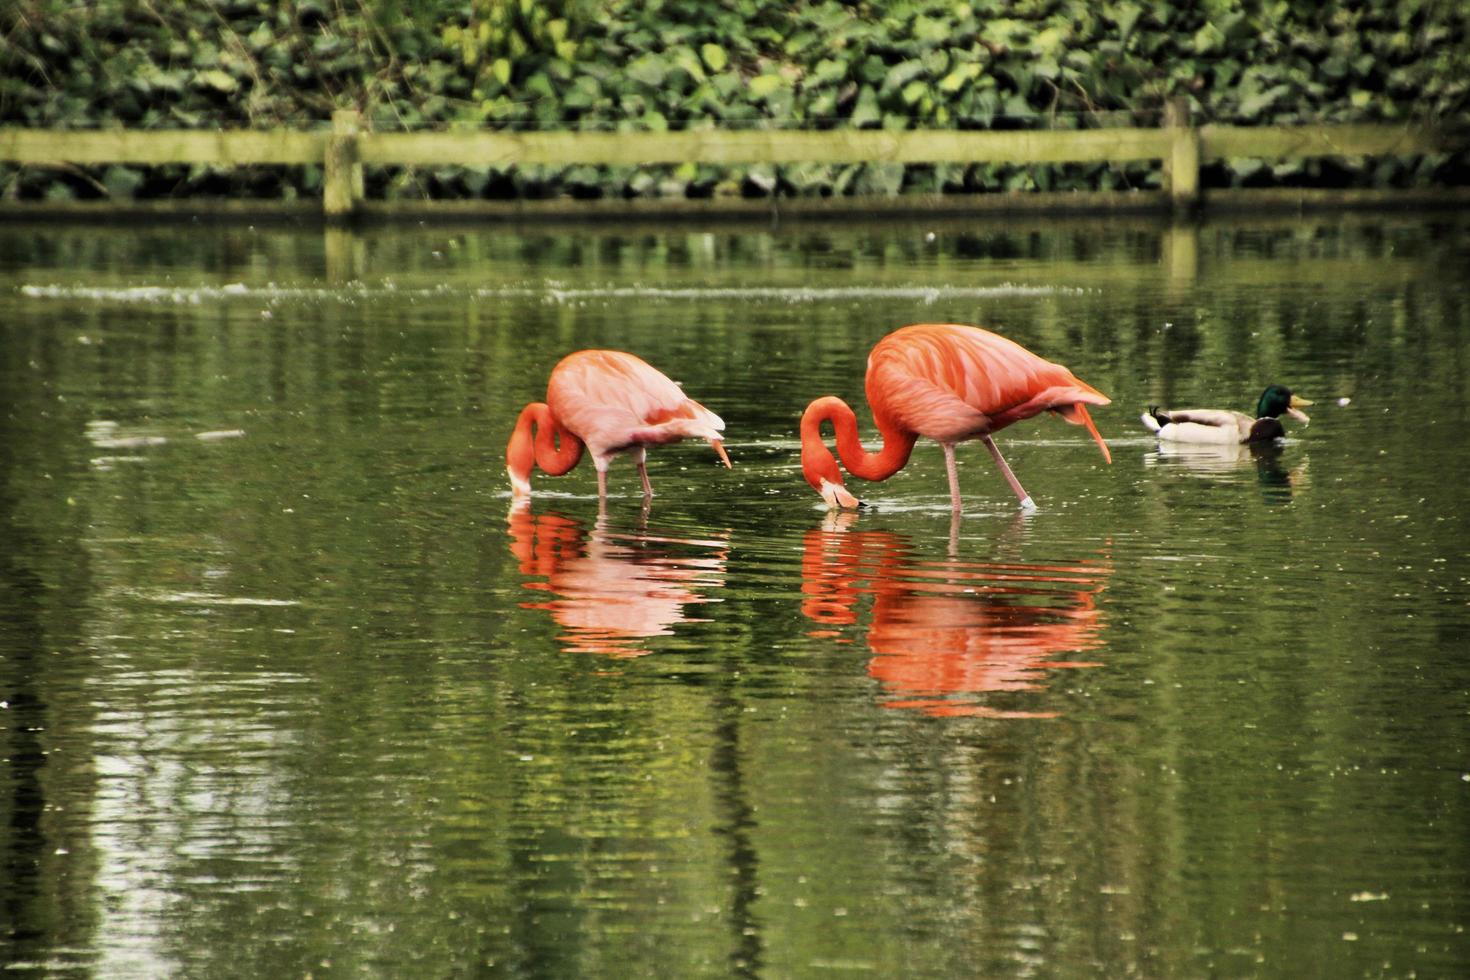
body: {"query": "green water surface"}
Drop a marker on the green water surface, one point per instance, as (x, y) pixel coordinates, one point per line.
(287, 687)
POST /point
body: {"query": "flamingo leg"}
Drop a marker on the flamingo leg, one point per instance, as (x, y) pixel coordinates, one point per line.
(954, 477)
(641, 458)
(602, 484)
(1026, 502)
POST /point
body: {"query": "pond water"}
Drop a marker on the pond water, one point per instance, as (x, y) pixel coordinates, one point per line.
(288, 688)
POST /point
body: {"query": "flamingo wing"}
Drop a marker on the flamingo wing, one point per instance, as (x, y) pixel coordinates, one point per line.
(952, 382)
(614, 400)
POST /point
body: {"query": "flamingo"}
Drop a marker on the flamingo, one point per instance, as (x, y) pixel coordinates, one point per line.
(609, 402)
(945, 382)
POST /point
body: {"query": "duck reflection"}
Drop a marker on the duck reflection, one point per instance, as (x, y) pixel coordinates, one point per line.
(1207, 460)
(944, 633)
(613, 589)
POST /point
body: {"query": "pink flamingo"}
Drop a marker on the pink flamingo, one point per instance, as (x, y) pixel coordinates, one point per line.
(945, 382)
(610, 402)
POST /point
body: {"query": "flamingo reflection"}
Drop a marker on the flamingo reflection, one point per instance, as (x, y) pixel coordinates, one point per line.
(945, 633)
(609, 589)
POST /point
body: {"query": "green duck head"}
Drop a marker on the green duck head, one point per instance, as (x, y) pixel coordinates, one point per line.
(1277, 399)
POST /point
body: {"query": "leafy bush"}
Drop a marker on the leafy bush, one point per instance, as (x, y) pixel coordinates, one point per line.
(622, 65)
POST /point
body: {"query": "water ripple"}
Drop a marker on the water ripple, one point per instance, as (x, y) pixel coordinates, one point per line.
(162, 295)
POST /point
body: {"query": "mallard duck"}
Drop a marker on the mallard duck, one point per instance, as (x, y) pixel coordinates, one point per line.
(1222, 427)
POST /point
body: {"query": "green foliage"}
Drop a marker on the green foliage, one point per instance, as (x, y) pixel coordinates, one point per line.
(622, 65)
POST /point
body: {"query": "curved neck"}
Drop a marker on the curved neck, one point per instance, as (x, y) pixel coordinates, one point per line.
(540, 439)
(897, 443)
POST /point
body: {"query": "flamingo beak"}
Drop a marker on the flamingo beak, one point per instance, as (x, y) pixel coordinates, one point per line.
(1077, 414)
(836, 495)
(720, 449)
(1295, 408)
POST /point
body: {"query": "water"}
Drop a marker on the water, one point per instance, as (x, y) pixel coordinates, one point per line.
(290, 689)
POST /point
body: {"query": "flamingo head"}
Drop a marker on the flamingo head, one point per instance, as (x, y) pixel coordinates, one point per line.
(818, 464)
(520, 457)
(520, 484)
(837, 496)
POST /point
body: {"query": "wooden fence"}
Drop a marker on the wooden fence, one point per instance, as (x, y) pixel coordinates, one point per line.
(343, 150)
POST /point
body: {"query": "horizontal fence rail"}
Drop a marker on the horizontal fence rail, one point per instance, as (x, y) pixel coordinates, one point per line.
(161, 146)
(727, 147)
(1343, 140)
(345, 148)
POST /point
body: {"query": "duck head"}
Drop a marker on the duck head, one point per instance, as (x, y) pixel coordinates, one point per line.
(1277, 399)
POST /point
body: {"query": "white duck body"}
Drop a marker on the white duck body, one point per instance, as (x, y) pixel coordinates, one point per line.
(1220, 427)
(1213, 426)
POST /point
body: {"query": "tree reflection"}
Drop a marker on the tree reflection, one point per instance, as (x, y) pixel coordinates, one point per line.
(946, 632)
(610, 589)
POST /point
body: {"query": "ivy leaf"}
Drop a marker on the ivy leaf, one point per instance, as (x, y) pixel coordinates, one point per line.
(763, 86)
(1049, 42)
(931, 30)
(714, 57)
(476, 179)
(985, 105)
(649, 70)
(1245, 168)
(1006, 33)
(583, 94)
(762, 176)
(800, 42)
(902, 73)
(727, 85)
(873, 69)
(1125, 16)
(540, 86)
(689, 62)
(121, 182)
(217, 80)
(808, 178)
(1208, 38)
(958, 78)
(865, 113)
(261, 37)
(1018, 108)
(880, 178)
(828, 71)
(1252, 106)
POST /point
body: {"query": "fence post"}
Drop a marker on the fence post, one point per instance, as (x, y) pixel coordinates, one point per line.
(1181, 168)
(342, 171)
